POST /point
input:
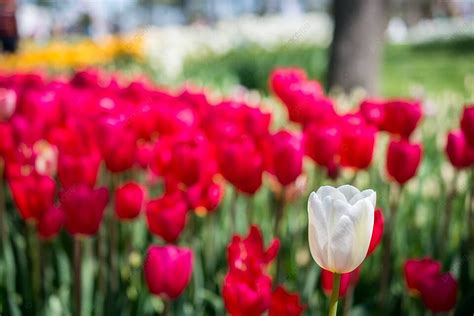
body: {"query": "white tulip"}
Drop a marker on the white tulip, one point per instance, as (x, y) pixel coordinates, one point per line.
(340, 226)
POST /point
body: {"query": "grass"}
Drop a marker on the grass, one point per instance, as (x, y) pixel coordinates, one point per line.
(436, 66)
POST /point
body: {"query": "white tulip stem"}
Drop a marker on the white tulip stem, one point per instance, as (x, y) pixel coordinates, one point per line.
(335, 294)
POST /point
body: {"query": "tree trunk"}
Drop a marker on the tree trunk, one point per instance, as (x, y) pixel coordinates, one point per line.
(356, 49)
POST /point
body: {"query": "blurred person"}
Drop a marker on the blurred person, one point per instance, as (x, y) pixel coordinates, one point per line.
(8, 26)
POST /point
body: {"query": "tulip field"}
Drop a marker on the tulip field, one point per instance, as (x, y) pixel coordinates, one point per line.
(122, 197)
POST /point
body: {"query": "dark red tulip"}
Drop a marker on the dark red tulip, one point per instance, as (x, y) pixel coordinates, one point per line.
(322, 143)
(168, 270)
(7, 143)
(286, 156)
(467, 124)
(284, 303)
(403, 159)
(400, 117)
(377, 232)
(439, 292)
(166, 216)
(83, 208)
(246, 295)
(460, 153)
(327, 279)
(129, 200)
(416, 270)
(51, 223)
(357, 143)
(248, 254)
(33, 194)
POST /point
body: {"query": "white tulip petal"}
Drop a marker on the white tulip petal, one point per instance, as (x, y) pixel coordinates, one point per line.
(370, 194)
(348, 190)
(363, 226)
(341, 246)
(326, 191)
(316, 251)
(319, 219)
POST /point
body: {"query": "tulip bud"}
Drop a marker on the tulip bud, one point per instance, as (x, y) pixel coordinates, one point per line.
(129, 200)
(282, 78)
(417, 269)
(33, 194)
(166, 216)
(78, 169)
(84, 209)
(373, 112)
(439, 292)
(460, 153)
(467, 124)
(340, 226)
(400, 117)
(287, 156)
(403, 159)
(284, 303)
(357, 143)
(322, 143)
(168, 270)
(50, 223)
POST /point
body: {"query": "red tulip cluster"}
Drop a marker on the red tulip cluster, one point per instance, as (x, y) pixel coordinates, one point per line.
(247, 287)
(333, 140)
(438, 290)
(460, 143)
(352, 278)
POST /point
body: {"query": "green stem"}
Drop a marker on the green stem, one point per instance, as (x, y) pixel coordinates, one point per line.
(77, 276)
(233, 209)
(3, 223)
(35, 264)
(335, 295)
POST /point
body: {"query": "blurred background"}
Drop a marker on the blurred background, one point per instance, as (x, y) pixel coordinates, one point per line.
(224, 43)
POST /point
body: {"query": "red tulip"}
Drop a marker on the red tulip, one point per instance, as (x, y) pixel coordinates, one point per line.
(241, 163)
(7, 103)
(246, 295)
(205, 195)
(439, 292)
(118, 145)
(416, 270)
(287, 156)
(403, 159)
(357, 143)
(50, 223)
(282, 78)
(306, 104)
(33, 194)
(467, 124)
(77, 169)
(377, 232)
(7, 144)
(249, 254)
(460, 153)
(322, 143)
(400, 117)
(168, 270)
(84, 209)
(327, 278)
(166, 216)
(373, 112)
(285, 304)
(129, 200)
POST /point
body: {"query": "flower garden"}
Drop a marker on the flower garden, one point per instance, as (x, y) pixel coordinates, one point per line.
(121, 196)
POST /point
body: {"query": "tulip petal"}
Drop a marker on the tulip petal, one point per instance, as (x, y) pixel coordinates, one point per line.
(348, 190)
(363, 225)
(370, 194)
(326, 191)
(341, 245)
